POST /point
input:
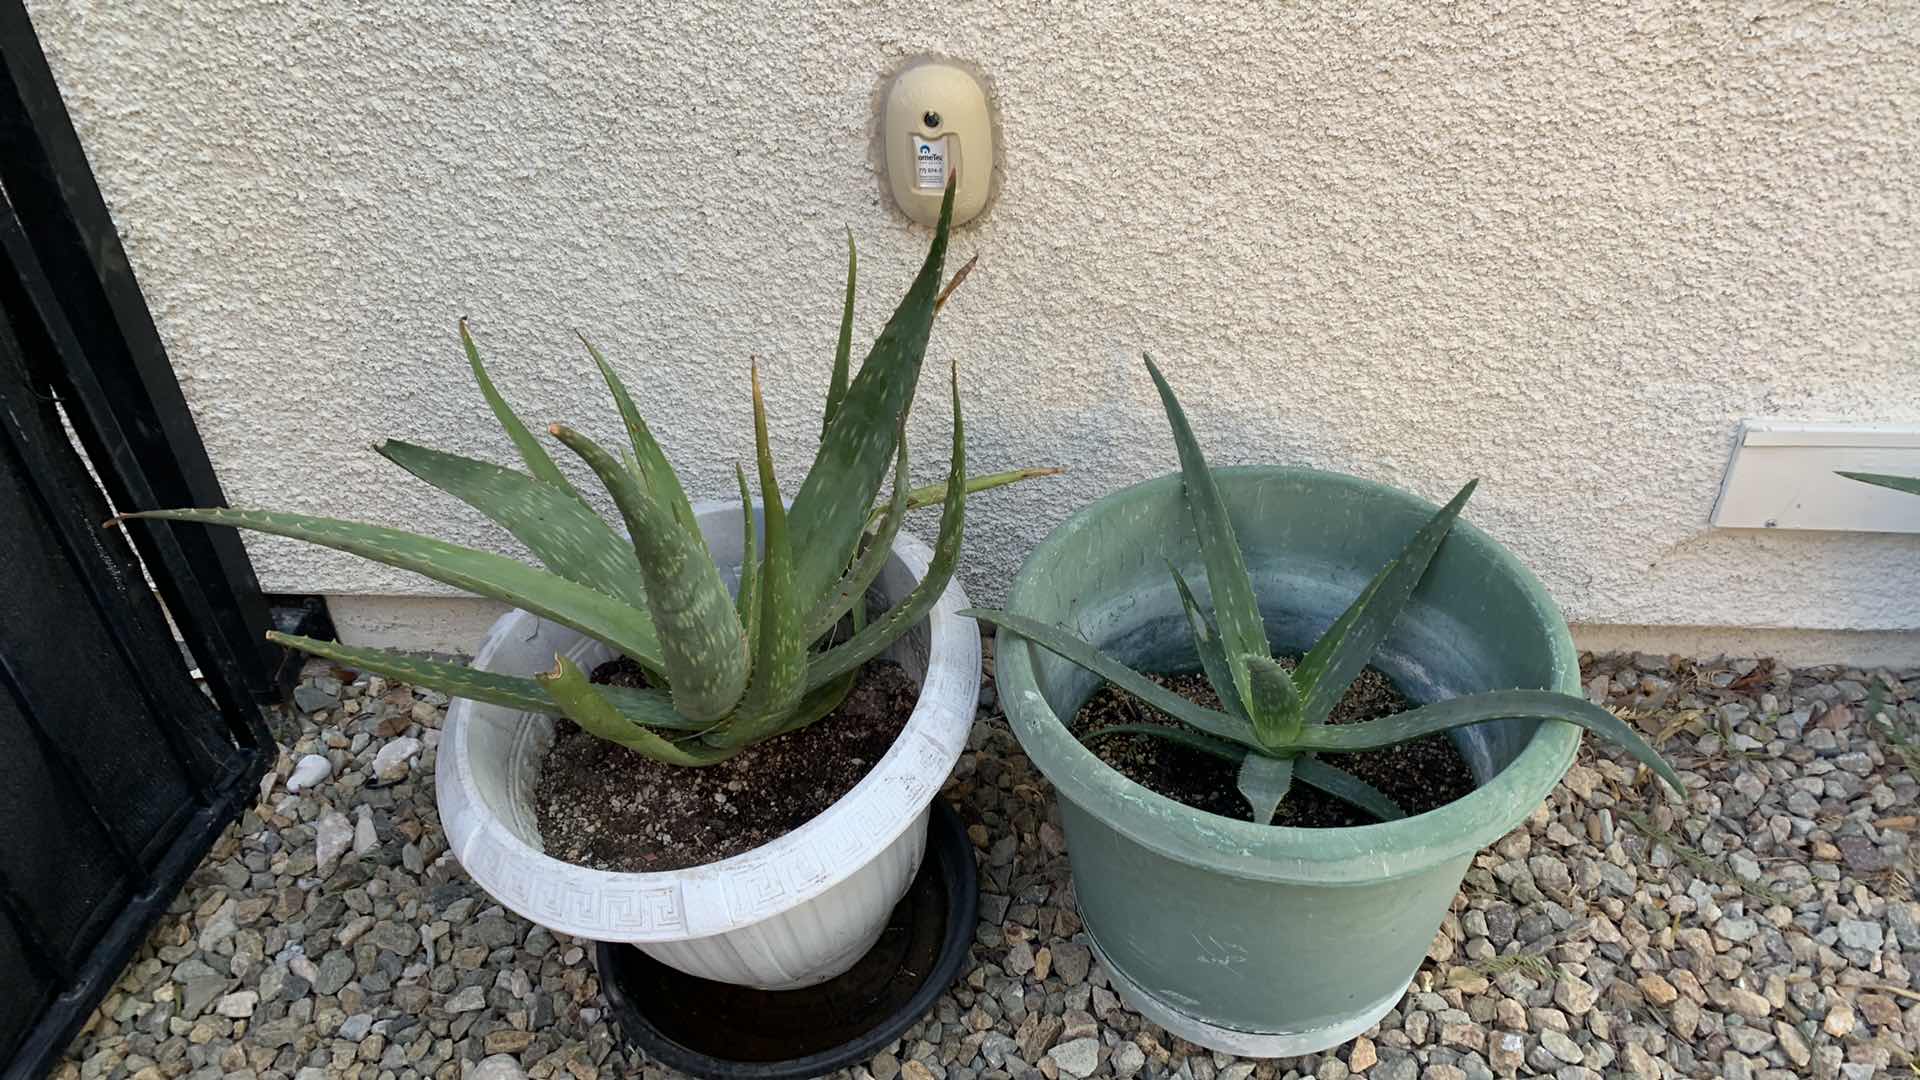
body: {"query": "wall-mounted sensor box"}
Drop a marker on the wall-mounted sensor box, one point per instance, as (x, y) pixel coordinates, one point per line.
(935, 124)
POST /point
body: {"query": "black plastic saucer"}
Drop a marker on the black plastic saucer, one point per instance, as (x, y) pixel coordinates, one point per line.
(716, 1030)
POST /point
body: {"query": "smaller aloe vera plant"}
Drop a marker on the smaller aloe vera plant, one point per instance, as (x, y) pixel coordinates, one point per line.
(1274, 721)
(727, 671)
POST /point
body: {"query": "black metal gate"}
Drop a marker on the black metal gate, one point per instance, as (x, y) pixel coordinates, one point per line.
(117, 772)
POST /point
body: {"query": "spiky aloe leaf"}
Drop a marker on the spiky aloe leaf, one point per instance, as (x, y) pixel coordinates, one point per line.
(780, 652)
(702, 646)
(1908, 484)
(1479, 708)
(930, 494)
(871, 640)
(1276, 702)
(563, 532)
(1206, 744)
(584, 705)
(655, 471)
(531, 452)
(496, 577)
(873, 558)
(746, 599)
(1235, 610)
(1338, 657)
(1347, 787)
(831, 506)
(1206, 641)
(1070, 647)
(649, 707)
(1263, 781)
(843, 346)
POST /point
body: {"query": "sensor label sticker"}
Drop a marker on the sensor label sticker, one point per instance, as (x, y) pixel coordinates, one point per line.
(930, 164)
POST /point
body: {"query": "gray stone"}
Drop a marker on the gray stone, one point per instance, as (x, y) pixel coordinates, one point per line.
(1071, 962)
(1395, 1065)
(1860, 934)
(468, 999)
(335, 969)
(1557, 1044)
(391, 763)
(199, 993)
(332, 836)
(498, 1067)
(1078, 1057)
(312, 699)
(394, 938)
(354, 1028)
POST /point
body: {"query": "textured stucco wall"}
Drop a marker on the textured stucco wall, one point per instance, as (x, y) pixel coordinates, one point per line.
(1561, 249)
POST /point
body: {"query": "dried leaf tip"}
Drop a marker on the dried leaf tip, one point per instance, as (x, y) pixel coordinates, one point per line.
(954, 283)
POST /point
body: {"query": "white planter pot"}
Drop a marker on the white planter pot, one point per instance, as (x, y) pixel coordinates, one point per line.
(791, 913)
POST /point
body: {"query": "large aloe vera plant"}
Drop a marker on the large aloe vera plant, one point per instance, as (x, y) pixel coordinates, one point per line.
(1273, 723)
(728, 668)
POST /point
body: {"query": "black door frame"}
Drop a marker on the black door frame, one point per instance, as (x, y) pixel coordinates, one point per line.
(75, 330)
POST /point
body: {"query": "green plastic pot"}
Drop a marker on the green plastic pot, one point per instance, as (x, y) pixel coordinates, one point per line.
(1260, 940)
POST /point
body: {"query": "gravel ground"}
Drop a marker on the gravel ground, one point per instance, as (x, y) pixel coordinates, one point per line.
(1766, 929)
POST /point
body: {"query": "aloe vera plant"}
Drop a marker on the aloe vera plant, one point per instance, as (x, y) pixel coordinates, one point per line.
(728, 669)
(1273, 722)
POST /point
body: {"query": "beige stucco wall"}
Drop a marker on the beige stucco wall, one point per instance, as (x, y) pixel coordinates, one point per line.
(1558, 249)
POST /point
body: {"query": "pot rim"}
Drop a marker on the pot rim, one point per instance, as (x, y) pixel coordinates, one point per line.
(1281, 853)
(744, 889)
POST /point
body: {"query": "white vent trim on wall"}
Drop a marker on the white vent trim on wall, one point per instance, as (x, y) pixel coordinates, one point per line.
(1782, 477)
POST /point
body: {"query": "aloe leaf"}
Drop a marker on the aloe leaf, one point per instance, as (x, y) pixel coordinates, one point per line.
(1479, 708)
(746, 598)
(1908, 484)
(531, 452)
(930, 494)
(656, 472)
(843, 346)
(871, 640)
(780, 652)
(702, 646)
(1263, 781)
(1206, 641)
(649, 707)
(1235, 610)
(1276, 702)
(872, 559)
(1347, 787)
(1206, 744)
(831, 507)
(1343, 651)
(563, 532)
(496, 577)
(1070, 647)
(584, 705)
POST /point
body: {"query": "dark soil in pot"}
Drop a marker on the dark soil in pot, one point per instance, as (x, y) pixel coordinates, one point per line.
(605, 806)
(1420, 775)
